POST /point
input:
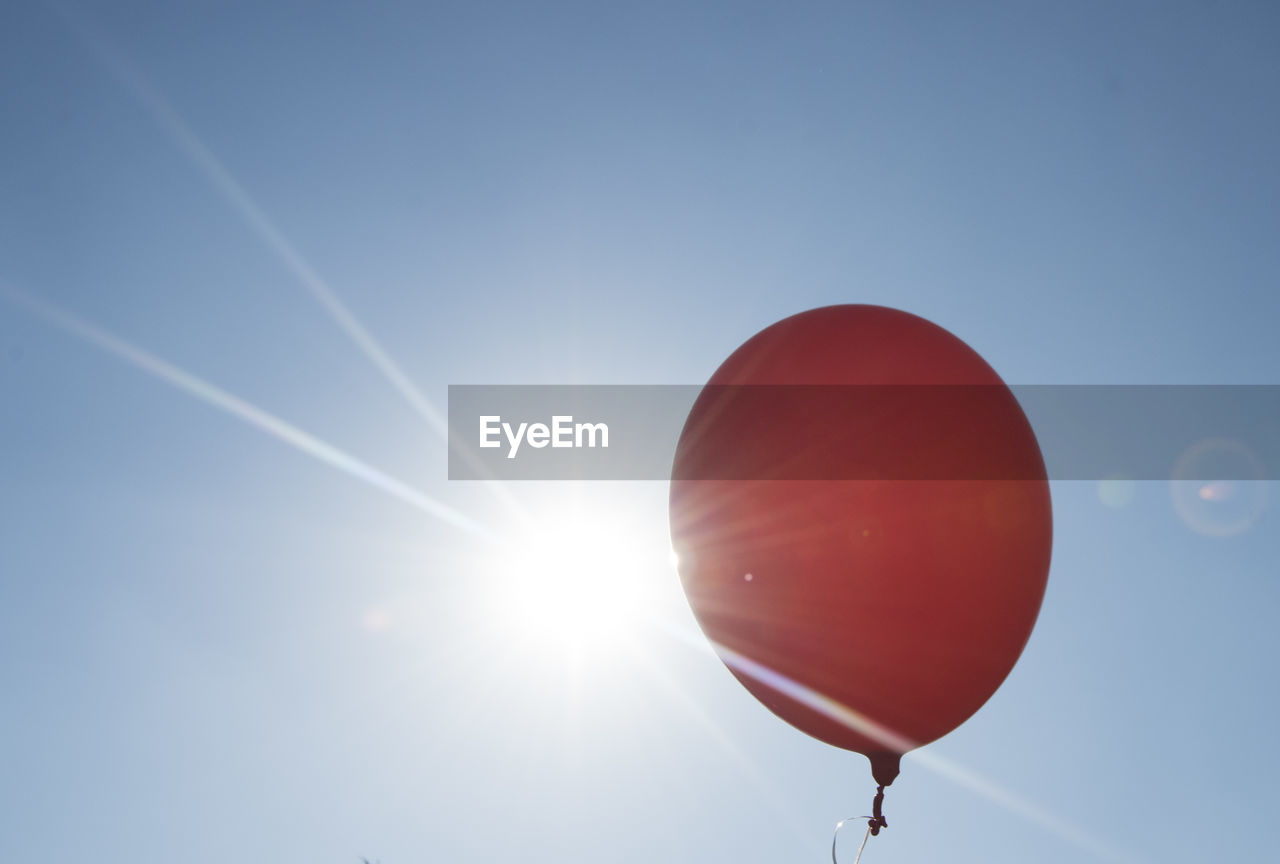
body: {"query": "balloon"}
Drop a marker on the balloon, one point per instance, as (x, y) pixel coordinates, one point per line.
(867, 554)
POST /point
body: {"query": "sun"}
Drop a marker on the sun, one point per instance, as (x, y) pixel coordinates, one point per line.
(574, 584)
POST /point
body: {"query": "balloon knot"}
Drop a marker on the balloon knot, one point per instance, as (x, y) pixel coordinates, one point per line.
(877, 820)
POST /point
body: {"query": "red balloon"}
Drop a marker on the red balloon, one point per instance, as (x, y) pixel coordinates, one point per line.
(867, 557)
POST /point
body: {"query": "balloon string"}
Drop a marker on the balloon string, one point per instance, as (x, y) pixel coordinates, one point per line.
(866, 836)
(875, 822)
(862, 846)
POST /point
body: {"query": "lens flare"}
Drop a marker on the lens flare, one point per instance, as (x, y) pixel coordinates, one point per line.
(1116, 491)
(1219, 488)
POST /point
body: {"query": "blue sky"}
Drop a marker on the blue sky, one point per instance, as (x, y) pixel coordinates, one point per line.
(214, 646)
